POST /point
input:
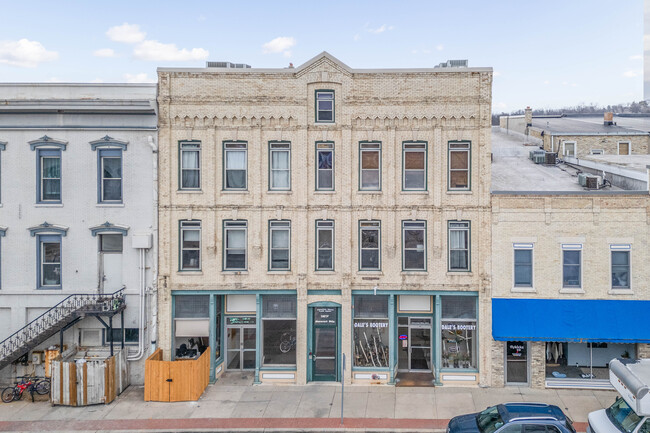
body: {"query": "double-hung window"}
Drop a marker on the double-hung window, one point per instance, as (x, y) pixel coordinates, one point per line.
(325, 106)
(369, 245)
(459, 166)
(571, 265)
(620, 266)
(370, 166)
(414, 238)
(325, 166)
(280, 166)
(235, 241)
(235, 165)
(190, 244)
(414, 174)
(459, 244)
(190, 155)
(523, 267)
(110, 172)
(280, 245)
(325, 245)
(49, 178)
(49, 261)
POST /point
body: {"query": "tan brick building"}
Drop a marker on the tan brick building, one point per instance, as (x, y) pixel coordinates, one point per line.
(314, 212)
(569, 274)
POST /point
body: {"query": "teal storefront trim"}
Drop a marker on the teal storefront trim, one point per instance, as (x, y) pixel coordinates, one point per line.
(310, 337)
(258, 338)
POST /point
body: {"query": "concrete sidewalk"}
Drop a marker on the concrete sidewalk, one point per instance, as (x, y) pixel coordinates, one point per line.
(234, 404)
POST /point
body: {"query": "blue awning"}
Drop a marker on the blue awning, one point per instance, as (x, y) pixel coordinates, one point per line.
(605, 321)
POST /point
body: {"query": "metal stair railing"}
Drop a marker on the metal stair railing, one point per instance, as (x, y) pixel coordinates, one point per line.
(60, 314)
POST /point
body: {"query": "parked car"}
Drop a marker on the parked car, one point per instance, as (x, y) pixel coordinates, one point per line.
(514, 418)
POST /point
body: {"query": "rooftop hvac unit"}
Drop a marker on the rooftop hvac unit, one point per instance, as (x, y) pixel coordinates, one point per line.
(539, 159)
(551, 158)
(532, 153)
(593, 182)
(582, 179)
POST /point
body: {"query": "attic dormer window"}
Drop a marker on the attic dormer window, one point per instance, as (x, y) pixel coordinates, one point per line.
(325, 106)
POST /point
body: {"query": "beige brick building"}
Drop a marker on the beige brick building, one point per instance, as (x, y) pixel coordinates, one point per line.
(317, 212)
(569, 276)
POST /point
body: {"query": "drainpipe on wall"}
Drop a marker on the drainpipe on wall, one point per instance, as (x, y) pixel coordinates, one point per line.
(647, 167)
(154, 264)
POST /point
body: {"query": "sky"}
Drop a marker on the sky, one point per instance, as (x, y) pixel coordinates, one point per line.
(545, 54)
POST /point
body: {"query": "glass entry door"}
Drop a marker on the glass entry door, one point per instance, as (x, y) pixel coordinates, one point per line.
(516, 362)
(414, 334)
(240, 343)
(324, 355)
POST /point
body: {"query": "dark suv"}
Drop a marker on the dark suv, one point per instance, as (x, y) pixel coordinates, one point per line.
(514, 418)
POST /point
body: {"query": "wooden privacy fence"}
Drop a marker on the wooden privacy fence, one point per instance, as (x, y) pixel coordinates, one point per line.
(86, 380)
(180, 380)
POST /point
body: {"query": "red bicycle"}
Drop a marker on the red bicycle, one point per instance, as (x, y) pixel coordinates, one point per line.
(13, 393)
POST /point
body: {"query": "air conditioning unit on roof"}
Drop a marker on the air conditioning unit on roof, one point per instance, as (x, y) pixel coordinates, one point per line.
(594, 182)
(582, 179)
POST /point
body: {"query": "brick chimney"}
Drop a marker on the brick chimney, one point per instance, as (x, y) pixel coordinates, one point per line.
(608, 120)
(528, 116)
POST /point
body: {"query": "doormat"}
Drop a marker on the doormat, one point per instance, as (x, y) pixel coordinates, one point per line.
(414, 379)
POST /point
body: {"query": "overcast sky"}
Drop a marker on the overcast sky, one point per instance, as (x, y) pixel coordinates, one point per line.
(544, 53)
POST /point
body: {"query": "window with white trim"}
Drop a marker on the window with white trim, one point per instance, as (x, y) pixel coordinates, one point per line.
(620, 266)
(414, 174)
(572, 266)
(459, 244)
(190, 244)
(235, 241)
(325, 166)
(370, 166)
(190, 164)
(280, 245)
(414, 236)
(280, 166)
(235, 171)
(325, 106)
(325, 245)
(523, 265)
(369, 245)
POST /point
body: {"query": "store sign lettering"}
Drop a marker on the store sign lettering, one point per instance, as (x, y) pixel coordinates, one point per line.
(370, 324)
(325, 316)
(457, 327)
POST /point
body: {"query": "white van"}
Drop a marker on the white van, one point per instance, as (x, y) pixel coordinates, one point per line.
(630, 413)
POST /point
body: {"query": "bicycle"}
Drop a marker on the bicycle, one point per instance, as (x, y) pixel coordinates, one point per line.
(287, 342)
(41, 386)
(14, 393)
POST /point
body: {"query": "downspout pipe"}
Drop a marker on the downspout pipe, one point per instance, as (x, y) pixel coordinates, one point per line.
(142, 266)
(154, 261)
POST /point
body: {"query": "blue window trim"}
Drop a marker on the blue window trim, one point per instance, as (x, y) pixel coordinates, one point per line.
(109, 153)
(181, 229)
(47, 228)
(39, 241)
(229, 225)
(108, 142)
(48, 142)
(278, 225)
(109, 228)
(40, 153)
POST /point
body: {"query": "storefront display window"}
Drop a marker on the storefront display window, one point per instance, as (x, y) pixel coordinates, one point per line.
(583, 360)
(459, 332)
(192, 325)
(279, 330)
(371, 336)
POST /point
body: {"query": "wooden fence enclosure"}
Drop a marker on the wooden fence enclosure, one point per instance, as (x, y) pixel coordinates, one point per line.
(180, 380)
(82, 381)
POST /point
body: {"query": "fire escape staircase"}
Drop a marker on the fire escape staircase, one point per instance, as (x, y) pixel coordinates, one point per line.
(61, 317)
